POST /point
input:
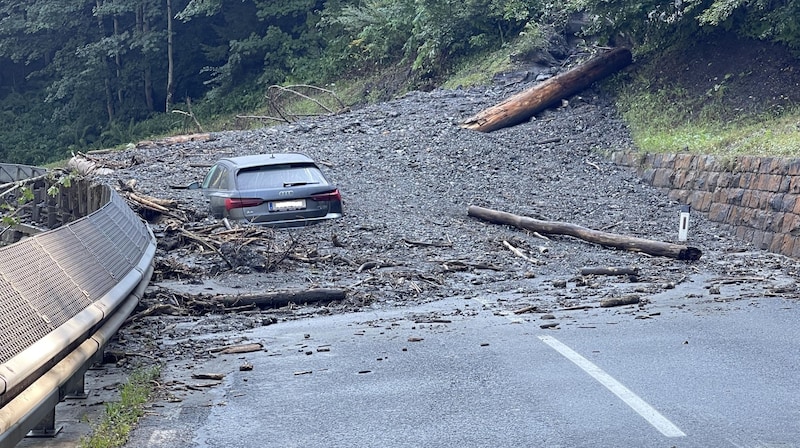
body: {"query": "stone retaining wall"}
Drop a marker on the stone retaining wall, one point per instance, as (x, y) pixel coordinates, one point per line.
(756, 196)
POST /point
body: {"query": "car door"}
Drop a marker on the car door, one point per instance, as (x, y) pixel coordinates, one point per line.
(216, 187)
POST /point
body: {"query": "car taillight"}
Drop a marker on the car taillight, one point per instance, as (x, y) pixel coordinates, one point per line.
(232, 203)
(329, 196)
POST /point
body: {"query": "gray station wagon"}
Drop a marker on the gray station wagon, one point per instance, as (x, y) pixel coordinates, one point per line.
(271, 189)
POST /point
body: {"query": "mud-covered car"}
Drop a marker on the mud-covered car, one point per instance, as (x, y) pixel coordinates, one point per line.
(271, 189)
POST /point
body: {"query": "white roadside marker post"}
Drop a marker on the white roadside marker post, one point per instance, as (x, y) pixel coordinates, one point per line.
(683, 227)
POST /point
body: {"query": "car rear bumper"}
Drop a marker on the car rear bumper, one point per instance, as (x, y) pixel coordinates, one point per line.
(302, 222)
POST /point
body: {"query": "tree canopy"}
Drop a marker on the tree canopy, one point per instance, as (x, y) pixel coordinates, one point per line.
(82, 74)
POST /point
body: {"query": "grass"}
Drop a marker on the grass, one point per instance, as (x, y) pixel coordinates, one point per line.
(121, 416)
(480, 68)
(667, 120)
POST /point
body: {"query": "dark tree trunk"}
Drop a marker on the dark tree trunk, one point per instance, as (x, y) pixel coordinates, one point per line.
(170, 59)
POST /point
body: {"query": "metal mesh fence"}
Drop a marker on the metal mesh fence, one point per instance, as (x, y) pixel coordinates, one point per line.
(48, 279)
(11, 173)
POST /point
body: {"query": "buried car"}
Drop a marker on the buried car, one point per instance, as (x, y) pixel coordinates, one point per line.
(271, 189)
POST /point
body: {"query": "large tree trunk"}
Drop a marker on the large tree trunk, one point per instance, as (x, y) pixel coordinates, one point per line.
(143, 26)
(118, 64)
(170, 59)
(107, 81)
(593, 236)
(524, 105)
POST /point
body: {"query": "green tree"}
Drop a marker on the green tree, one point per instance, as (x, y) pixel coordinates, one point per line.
(652, 24)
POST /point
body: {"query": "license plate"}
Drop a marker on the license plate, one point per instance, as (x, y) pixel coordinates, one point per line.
(282, 206)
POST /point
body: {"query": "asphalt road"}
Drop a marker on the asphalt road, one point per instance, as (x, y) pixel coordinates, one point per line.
(463, 372)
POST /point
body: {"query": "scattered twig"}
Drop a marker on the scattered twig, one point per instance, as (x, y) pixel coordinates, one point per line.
(519, 253)
(527, 309)
(205, 244)
(577, 307)
(547, 141)
(540, 236)
(611, 226)
(374, 265)
(427, 243)
(594, 165)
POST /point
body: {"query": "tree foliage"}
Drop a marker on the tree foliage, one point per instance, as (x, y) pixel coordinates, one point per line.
(655, 23)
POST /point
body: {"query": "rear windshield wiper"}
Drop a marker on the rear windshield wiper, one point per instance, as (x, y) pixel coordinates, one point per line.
(297, 184)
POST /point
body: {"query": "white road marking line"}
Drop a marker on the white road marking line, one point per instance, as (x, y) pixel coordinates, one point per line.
(652, 416)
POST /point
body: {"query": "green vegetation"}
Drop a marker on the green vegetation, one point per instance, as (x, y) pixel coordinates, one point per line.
(120, 417)
(667, 117)
(86, 74)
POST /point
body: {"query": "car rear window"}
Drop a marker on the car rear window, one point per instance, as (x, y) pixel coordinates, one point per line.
(278, 176)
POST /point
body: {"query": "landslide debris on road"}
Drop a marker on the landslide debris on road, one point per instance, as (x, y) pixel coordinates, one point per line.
(408, 172)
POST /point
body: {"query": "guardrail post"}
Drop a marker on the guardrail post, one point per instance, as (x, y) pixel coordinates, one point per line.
(75, 388)
(47, 427)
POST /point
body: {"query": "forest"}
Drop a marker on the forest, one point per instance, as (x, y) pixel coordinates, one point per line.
(86, 74)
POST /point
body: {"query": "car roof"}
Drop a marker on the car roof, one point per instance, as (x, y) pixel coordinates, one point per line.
(267, 159)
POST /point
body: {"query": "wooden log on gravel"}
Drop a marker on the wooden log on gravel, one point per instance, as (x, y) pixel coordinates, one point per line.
(634, 244)
(282, 298)
(524, 105)
(631, 299)
(609, 270)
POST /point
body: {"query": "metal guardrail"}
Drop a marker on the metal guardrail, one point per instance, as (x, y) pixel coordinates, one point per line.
(10, 172)
(63, 294)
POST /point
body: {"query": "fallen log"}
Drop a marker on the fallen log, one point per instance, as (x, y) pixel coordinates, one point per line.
(282, 298)
(631, 299)
(238, 349)
(522, 106)
(634, 244)
(610, 270)
(174, 140)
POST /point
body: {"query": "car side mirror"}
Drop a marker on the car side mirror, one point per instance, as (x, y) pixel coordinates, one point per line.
(194, 186)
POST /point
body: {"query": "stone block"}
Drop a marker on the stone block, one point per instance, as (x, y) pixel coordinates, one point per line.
(749, 198)
(762, 239)
(647, 175)
(700, 180)
(776, 202)
(740, 216)
(769, 182)
(779, 166)
(794, 185)
(712, 179)
(749, 164)
(705, 201)
(787, 248)
(719, 212)
(774, 222)
(791, 223)
(776, 244)
(785, 182)
(683, 161)
(793, 167)
(765, 165)
(662, 177)
(745, 180)
(658, 161)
